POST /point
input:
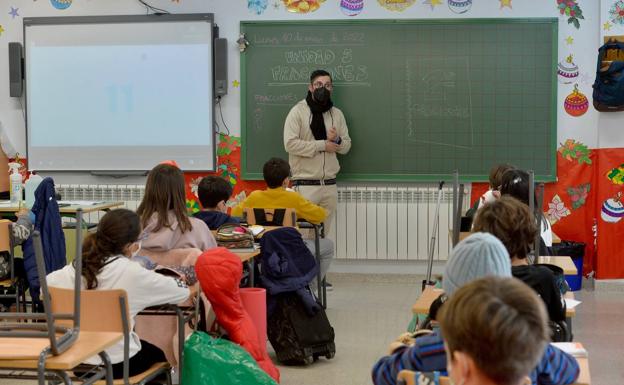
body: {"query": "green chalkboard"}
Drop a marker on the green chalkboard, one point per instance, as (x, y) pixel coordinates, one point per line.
(421, 97)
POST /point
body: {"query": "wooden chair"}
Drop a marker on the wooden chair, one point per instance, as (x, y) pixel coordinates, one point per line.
(106, 311)
(408, 377)
(49, 348)
(13, 285)
(270, 217)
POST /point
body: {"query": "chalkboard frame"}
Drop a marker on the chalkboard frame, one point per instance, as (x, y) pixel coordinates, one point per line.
(366, 177)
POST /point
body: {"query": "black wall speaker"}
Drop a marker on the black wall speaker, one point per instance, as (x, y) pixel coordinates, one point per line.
(220, 67)
(16, 84)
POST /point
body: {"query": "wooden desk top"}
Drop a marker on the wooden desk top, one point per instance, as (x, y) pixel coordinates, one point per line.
(87, 345)
(426, 298)
(569, 268)
(247, 256)
(584, 375)
(72, 209)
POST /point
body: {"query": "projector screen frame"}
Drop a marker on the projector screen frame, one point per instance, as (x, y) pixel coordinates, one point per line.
(121, 19)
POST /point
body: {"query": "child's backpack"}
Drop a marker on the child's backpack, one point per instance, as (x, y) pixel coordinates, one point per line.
(234, 236)
(608, 92)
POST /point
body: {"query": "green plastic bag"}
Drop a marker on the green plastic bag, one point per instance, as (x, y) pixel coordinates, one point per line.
(215, 361)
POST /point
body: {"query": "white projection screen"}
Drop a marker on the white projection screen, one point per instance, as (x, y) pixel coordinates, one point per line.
(119, 93)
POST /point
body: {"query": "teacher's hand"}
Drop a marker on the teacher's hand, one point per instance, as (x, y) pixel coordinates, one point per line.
(332, 135)
(330, 146)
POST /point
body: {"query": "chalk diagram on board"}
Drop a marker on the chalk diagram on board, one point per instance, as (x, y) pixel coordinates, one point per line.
(438, 99)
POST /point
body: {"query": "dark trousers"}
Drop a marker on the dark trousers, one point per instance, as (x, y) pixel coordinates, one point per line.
(140, 362)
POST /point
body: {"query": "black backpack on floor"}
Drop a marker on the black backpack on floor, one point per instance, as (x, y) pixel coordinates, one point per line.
(297, 337)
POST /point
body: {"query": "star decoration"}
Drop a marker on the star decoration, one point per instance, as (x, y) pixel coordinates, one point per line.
(432, 3)
(13, 12)
(505, 3)
(569, 40)
(1, 30)
(606, 26)
(235, 84)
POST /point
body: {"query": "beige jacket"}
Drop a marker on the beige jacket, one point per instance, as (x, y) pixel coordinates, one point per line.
(307, 156)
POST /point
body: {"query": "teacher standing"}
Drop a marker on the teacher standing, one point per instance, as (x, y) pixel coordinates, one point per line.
(314, 132)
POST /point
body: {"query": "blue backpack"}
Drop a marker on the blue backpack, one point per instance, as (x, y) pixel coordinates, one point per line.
(609, 85)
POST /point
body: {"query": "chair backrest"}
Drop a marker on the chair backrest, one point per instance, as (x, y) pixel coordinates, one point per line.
(100, 310)
(5, 238)
(270, 217)
(61, 337)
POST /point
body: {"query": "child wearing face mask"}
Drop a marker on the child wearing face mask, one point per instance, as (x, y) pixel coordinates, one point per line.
(106, 265)
(213, 193)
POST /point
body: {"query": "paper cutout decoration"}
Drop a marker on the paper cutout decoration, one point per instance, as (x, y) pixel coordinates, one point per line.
(396, 5)
(616, 175)
(571, 9)
(616, 13)
(606, 26)
(302, 6)
(192, 206)
(578, 195)
(576, 104)
(569, 40)
(567, 71)
(1, 29)
(612, 209)
(505, 3)
(194, 185)
(556, 210)
(277, 5)
(257, 6)
(13, 12)
(351, 7)
(460, 6)
(235, 83)
(61, 4)
(572, 149)
(227, 144)
(238, 199)
(433, 3)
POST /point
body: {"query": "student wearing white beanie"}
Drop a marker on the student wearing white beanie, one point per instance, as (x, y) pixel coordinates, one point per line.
(478, 256)
(475, 257)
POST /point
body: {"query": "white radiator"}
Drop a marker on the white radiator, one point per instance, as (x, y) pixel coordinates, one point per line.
(392, 223)
(378, 223)
(131, 195)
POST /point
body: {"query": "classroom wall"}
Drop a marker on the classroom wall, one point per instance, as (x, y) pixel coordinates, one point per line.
(229, 13)
(595, 137)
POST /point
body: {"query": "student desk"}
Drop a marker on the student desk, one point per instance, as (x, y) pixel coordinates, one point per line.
(71, 209)
(422, 304)
(426, 298)
(569, 268)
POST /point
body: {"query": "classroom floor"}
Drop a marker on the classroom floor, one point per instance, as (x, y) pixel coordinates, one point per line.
(368, 312)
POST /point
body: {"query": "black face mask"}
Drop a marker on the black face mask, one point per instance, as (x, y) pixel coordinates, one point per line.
(321, 95)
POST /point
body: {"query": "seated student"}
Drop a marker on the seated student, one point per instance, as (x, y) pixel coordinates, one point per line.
(477, 256)
(510, 221)
(276, 173)
(516, 184)
(495, 180)
(107, 265)
(495, 332)
(213, 192)
(163, 214)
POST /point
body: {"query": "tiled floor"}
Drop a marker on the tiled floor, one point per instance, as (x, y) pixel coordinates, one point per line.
(367, 315)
